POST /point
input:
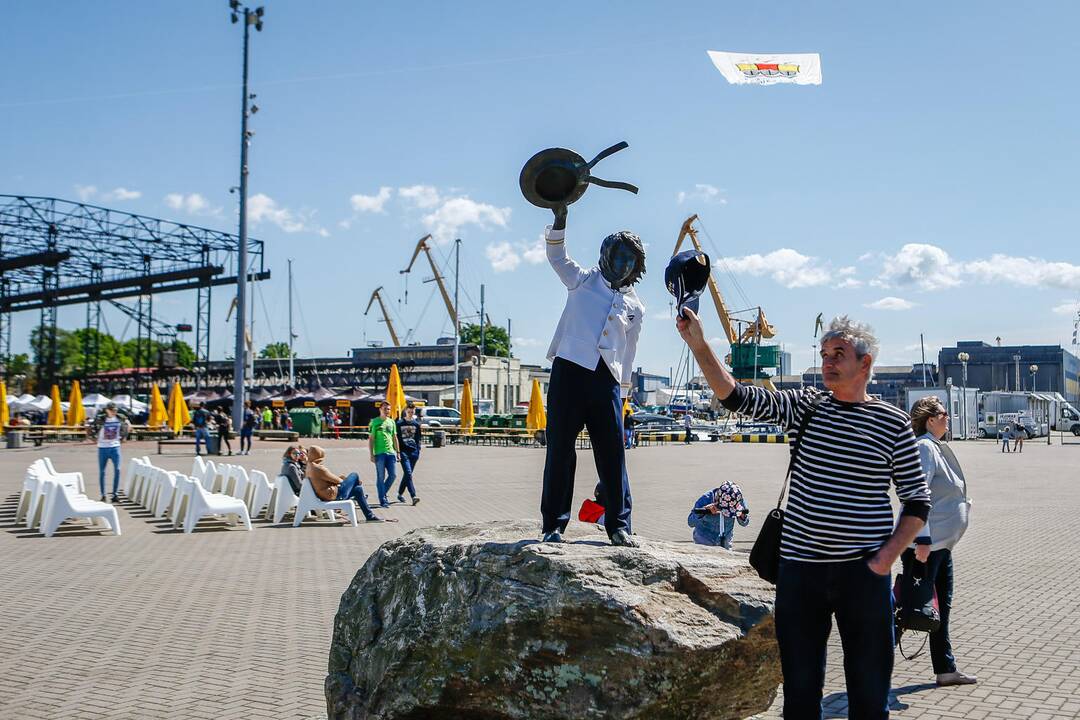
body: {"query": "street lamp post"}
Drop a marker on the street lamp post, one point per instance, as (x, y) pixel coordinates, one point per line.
(1033, 368)
(1016, 361)
(250, 17)
(963, 358)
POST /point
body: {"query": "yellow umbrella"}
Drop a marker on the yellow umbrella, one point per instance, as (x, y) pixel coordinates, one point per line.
(395, 394)
(468, 419)
(56, 413)
(537, 418)
(178, 409)
(626, 409)
(158, 413)
(76, 414)
(5, 413)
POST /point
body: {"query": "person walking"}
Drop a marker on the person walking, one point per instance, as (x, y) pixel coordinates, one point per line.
(224, 428)
(110, 429)
(948, 519)
(1006, 436)
(1019, 434)
(267, 417)
(200, 420)
(839, 539)
(384, 449)
(247, 428)
(715, 513)
(687, 421)
(410, 439)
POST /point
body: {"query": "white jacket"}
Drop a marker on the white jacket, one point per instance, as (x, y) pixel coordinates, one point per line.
(597, 322)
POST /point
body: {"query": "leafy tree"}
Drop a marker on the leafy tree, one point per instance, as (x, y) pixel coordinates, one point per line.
(496, 341)
(276, 350)
(19, 364)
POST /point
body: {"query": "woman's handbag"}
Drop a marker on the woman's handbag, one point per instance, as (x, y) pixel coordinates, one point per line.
(916, 600)
(765, 555)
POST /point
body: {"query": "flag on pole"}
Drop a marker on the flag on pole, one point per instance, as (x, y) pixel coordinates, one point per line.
(768, 69)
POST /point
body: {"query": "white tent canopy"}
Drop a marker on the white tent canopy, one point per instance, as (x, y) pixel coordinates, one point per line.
(126, 402)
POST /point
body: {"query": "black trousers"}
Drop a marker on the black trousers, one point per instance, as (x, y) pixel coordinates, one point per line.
(939, 570)
(581, 398)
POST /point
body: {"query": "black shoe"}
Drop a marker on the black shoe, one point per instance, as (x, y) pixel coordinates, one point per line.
(115, 498)
(103, 499)
(621, 538)
(553, 537)
(415, 500)
(375, 519)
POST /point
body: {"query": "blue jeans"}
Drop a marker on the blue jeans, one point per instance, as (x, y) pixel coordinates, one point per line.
(385, 475)
(202, 435)
(408, 464)
(808, 594)
(104, 455)
(245, 437)
(350, 489)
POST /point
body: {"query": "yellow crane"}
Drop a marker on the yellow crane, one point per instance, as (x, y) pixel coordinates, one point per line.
(376, 295)
(748, 356)
(423, 245)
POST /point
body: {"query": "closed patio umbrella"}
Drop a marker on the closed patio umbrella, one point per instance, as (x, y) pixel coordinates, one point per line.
(76, 414)
(537, 418)
(56, 410)
(158, 413)
(468, 418)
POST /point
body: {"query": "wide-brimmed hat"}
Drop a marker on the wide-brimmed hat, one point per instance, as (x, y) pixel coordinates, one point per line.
(686, 276)
(557, 176)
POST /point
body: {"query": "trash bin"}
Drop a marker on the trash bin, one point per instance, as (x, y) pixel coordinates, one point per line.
(14, 439)
(519, 422)
(213, 444)
(307, 421)
(438, 438)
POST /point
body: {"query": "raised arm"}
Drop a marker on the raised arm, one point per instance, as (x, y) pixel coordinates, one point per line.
(632, 336)
(568, 271)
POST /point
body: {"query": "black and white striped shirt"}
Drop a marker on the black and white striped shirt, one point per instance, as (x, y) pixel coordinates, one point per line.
(838, 502)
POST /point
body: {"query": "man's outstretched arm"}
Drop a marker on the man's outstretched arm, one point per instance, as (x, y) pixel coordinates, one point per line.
(719, 379)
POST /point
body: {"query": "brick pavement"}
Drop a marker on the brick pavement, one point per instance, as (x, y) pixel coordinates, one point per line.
(229, 624)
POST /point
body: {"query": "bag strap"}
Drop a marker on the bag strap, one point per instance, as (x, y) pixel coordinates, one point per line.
(807, 414)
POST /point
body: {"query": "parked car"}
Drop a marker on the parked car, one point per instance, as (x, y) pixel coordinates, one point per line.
(438, 416)
(651, 422)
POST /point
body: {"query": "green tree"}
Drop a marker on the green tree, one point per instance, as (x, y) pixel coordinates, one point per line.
(276, 350)
(496, 341)
(19, 364)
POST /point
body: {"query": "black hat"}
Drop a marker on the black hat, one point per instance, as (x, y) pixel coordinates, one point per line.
(686, 276)
(558, 176)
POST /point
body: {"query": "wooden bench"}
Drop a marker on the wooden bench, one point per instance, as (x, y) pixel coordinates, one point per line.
(286, 435)
(173, 441)
(39, 435)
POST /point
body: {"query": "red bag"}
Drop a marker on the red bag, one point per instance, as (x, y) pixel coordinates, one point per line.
(590, 511)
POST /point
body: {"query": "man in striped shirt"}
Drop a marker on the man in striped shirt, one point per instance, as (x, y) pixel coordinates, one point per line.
(839, 539)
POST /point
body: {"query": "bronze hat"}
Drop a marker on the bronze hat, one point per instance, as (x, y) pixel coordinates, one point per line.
(558, 176)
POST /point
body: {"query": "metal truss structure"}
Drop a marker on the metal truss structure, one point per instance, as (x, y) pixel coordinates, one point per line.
(57, 252)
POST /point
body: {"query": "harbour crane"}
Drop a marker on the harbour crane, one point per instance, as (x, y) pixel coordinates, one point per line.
(748, 356)
(386, 316)
(423, 245)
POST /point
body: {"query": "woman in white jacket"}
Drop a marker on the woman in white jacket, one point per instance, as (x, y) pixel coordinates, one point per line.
(946, 525)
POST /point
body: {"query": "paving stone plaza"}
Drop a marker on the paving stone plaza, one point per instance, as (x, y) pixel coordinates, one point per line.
(225, 623)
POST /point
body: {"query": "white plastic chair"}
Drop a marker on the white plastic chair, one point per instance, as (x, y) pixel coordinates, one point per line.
(310, 501)
(198, 468)
(164, 491)
(38, 481)
(129, 475)
(282, 501)
(201, 503)
(31, 490)
(77, 476)
(140, 483)
(260, 490)
(64, 504)
(217, 476)
(181, 500)
(236, 485)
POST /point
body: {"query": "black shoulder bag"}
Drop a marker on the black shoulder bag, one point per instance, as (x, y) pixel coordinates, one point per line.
(765, 555)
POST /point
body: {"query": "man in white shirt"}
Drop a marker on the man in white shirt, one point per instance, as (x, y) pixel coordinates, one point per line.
(592, 356)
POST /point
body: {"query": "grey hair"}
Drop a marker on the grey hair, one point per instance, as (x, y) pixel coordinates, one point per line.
(860, 335)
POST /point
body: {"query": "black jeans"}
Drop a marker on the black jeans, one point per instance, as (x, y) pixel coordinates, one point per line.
(580, 398)
(808, 594)
(939, 570)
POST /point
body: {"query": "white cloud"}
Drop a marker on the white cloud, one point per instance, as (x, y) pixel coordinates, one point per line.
(121, 194)
(85, 192)
(1067, 308)
(502, 256)
(890, 303)
(192, 204)
(445, 222)
(422, 196)
(371, 203)
(1029, 271)
(661, 315)
(787, 267)
(262, 207)
(526, 342)
(926, 266)
(534, 254)
(702, 193)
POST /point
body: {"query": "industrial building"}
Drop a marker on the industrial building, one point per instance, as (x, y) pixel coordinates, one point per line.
(1037, 368)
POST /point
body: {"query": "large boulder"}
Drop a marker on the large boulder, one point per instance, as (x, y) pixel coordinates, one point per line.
(483, 622)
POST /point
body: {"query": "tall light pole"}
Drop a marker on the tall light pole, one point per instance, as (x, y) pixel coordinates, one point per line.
(1016, 361)
(457, 326)
(963, 358)
(1033, 368)
(250, 17)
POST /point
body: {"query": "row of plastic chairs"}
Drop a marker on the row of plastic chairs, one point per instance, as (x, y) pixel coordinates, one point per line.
(181, 498)
(48, 498)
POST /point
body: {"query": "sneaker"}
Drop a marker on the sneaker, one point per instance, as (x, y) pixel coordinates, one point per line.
(115, 498)
(401, 498)
(379, 519)
(553, 537)
(415, 500)
(103, 498)
(955, 678)
(621, 538)
(384, 505)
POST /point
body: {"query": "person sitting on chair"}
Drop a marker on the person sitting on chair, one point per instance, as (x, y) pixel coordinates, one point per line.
(329, 486)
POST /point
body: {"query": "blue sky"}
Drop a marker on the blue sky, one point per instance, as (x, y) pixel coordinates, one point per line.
(928, 185)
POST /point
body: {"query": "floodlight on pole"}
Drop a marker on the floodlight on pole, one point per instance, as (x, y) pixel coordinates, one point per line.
(251, 17)
(1033, 368)
(963, 357)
